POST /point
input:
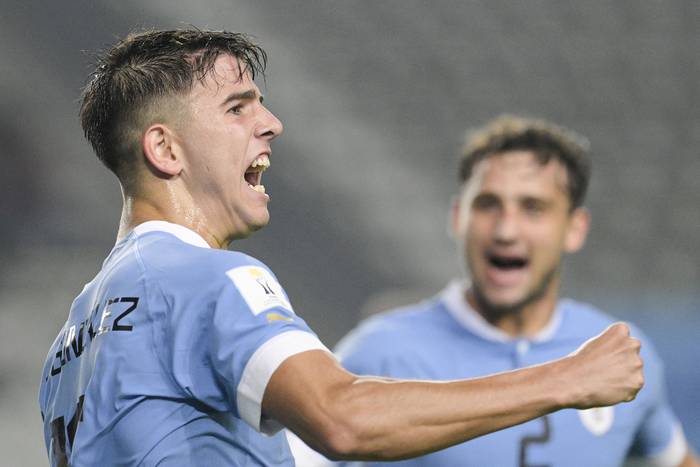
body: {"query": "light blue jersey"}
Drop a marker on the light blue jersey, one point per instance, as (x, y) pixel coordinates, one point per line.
(165, 358)
(443, 339)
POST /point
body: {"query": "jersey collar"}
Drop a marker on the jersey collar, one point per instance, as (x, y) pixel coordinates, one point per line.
(180, 231)
(453, 297)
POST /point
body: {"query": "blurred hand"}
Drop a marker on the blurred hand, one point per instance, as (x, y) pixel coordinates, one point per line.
(606, 369)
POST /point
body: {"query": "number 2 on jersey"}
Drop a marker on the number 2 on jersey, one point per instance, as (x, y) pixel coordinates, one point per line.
(526, 441)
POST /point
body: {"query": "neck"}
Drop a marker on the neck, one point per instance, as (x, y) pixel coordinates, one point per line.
(525, 320)
(139, 209)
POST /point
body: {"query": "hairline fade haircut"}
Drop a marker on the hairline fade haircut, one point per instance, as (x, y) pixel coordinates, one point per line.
(142, 78)
(545, 140)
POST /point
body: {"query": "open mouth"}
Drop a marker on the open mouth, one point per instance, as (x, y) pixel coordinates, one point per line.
(253, 175)
(507, 263)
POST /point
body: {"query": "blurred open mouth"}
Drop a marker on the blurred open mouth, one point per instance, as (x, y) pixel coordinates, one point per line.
(253, 175)
(507, 263)
(506, 270)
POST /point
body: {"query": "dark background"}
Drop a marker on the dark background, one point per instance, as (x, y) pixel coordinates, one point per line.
(375, 97)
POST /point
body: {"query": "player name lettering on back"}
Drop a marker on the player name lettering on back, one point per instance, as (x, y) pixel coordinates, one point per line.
(113, 317)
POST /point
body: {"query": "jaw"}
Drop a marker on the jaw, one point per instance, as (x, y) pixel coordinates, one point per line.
(512, 292)
(249, 216)
(232, 215)
(500, 297)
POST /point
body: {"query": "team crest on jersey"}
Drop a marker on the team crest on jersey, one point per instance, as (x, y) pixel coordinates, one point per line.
(258, 288)
(598, 420)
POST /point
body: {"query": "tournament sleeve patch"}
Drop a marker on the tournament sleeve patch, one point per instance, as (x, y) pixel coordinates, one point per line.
(259, 288)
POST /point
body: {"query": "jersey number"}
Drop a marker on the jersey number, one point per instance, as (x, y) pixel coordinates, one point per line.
(526, 441)
(59, 430)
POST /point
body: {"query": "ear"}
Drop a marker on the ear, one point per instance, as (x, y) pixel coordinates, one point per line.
(453, 222)
(577, 231)
(160, 150)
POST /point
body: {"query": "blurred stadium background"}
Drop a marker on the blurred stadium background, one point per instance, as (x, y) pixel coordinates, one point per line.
(375, 97)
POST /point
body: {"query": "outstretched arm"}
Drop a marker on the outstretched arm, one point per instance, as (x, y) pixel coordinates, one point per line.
(345, 416)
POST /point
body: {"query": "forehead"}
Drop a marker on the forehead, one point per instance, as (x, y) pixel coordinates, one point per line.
(519, 173)
(224, 77)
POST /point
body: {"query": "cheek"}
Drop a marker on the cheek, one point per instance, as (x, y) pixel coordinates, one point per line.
(547, 241)
(473, 243)
(477, 232)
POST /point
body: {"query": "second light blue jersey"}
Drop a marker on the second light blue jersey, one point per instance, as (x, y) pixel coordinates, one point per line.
(165, 357)
(443, 339)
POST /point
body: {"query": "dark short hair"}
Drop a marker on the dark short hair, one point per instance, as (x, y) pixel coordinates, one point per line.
(545, 140)
(132, 78)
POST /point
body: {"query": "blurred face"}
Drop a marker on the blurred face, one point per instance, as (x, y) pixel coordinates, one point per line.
(225, 141)
(513, 222)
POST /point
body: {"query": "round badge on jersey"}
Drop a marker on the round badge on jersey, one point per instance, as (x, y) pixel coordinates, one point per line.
(598, 420)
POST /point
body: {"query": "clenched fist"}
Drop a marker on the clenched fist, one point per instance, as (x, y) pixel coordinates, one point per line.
(606, 369)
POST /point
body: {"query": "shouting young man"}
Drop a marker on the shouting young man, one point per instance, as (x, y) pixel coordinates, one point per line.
(181, 353)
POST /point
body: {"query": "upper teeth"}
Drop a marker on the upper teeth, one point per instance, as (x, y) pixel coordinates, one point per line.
(261, 161)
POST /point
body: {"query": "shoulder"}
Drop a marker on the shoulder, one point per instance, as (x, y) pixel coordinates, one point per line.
(584, 317)
(588, 320)
(583, 320)
(186, 274)
(167, 258)
(393, 331)
(165, 253)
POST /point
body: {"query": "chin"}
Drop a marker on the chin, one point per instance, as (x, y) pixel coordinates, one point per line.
(500, 302)
(256, 227)
(256, 224)
(504, 306)
(261, 222)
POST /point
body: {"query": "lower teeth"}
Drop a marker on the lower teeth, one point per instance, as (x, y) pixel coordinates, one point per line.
(258, 188)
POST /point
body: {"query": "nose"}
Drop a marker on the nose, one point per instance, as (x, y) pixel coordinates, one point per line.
(506, 227)
(270, 126)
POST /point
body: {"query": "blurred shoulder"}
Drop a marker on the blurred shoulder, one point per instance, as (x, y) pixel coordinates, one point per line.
(396, 328)
(587, 320)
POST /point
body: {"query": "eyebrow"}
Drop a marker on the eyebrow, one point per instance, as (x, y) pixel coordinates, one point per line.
(250, 94)
(544, 201)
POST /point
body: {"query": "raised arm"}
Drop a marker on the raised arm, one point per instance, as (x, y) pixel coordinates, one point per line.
(345, 416)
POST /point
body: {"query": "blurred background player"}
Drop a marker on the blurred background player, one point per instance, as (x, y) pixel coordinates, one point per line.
(519, 210)
(180, 352)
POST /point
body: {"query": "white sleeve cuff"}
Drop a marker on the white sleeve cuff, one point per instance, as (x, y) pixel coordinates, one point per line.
(259, 369)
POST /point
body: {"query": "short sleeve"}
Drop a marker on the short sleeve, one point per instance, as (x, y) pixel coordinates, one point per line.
(660, 439)
(253, 330)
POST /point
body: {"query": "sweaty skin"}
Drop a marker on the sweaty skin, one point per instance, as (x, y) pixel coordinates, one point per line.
(194, 173)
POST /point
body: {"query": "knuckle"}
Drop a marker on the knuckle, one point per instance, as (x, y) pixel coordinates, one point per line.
(622, 328)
